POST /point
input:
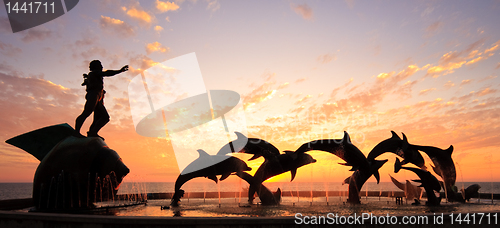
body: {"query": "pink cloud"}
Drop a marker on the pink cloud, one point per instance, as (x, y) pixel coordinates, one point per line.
(36, 34)
(303, 10)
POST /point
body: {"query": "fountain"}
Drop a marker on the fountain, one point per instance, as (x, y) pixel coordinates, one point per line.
(67, 167)
(90, 186)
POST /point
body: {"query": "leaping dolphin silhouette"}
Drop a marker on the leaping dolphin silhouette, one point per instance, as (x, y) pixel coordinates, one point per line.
(217, 165)
(443, 163)
(399, 147)
(257, 147)
(427, 180)
(274, 163)
(344, 149)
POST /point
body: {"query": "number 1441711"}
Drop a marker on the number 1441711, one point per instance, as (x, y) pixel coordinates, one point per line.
(31, 7)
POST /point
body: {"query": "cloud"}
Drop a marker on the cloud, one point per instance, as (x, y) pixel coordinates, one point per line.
(262, 92)
(465, 82)
(116, 26)
(326, 58)
(498, 66)
(486, 91)
(453, 60)
(37, 33)
(449, 84)
(9, 50)
(350, 3)
(166, 6)
(303, 10)
(5, 25)
(213, 5)
(433, 27)
(141, 15)
(158, 28)
(34, 102)
(156, 47)
(139, 63)
(426, 91)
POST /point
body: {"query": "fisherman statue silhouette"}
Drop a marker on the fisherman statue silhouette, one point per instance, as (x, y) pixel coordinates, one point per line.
(95, 98)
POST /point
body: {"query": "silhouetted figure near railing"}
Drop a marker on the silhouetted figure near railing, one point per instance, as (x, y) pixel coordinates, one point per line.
(95, 98)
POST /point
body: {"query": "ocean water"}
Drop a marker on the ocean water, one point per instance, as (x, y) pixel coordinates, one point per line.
(24, 190)
(158, 187)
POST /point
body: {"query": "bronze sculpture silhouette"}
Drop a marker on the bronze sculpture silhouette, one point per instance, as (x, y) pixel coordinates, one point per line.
(401, 148)
(95, 99)
(211, 166)
(427, 180)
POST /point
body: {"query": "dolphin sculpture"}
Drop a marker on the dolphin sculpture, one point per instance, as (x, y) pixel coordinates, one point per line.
(213, 165)
(443, 163)
(344, 149)
(265, 195)
(359, 178)
(427, 181)
(471, 191)
(257, 147)
(74, 172)
(289, 161)
(274, 164)
(401, 148)
(412, 192)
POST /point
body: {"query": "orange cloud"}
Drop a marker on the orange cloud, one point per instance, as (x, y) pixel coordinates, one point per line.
(158, 28)
(454, 60)
(156, 47)
(139, 14)
(465, 82)
(426, 91)
(486, 91)
(263, 92)
(303, 10)
(449, 84)
(166, 6)
(116, 26)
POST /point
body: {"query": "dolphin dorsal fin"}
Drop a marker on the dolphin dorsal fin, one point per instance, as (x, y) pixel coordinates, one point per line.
(449, 150)
(202, 153)
(240, 135)
(346, 139)
(395, 136)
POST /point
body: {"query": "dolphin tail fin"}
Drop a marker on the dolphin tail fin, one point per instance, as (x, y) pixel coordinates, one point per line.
(277, 196)
(347, 180)
(397, 165)
(39, 142)
(397, 183)
(294, 172)
(375, 166)
(449, 150)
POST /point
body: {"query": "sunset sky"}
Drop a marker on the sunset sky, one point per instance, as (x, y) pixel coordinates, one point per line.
(304, 69)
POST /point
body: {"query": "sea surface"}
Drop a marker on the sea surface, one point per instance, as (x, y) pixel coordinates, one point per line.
(24, 190)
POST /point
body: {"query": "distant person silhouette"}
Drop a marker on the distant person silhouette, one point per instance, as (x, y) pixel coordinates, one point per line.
(95, 98)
